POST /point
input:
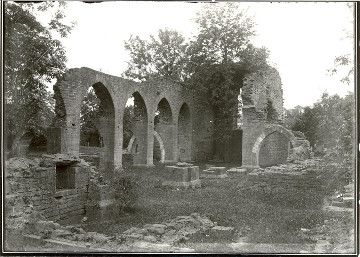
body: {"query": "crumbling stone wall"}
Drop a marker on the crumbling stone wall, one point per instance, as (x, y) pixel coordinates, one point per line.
(34, 182)
(263, 114)
(187, 129)
(113, 93)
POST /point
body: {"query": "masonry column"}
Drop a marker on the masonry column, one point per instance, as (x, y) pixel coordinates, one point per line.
(251, 130)
(118, 142)
(150, 141)
(70, 134)
(175, 140)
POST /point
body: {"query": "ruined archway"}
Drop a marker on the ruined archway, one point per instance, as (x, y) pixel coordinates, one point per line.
(164, 126)
(184, 134)
(139, 120)
(133, 146)
(103, 120)
(272, 146)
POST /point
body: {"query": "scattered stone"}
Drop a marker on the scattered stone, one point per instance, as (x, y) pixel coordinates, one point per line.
(157, 229)
(150, 238)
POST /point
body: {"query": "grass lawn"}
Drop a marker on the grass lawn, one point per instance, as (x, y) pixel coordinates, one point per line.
(260, 216)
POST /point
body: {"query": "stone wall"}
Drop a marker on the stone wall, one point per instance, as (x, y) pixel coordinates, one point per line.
(303, 176)
(35, 182)
(263, 114)
(115, 92)
(274, 149)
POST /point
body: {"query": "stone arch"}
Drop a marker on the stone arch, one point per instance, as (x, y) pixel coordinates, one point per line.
(276, 136)
(164, 126)
(184, 138)
(140, 128)
(131, 148)
(22, 145)
(105, 124)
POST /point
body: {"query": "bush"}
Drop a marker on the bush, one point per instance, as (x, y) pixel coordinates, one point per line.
(126, 192)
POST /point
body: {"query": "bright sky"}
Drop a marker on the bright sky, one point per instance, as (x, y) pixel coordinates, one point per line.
(303, 38)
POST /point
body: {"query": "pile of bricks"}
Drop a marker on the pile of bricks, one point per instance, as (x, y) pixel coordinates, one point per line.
(214, 172)
(183, 175)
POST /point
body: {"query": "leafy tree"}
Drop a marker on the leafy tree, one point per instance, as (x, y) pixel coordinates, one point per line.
(89, 134)
(128, 124)
(162, 56)
(344, 63)
(292, 116)
(224, 34)
(214, 63)
(329, 124)
(219, 58)
(32, 58)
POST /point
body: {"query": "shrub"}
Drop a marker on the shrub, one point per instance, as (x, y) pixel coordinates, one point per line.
(126, 192)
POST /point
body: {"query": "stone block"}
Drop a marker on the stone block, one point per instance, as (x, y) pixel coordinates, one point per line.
(194, 173)
(178, 174)
(222, 233)
(219, 170)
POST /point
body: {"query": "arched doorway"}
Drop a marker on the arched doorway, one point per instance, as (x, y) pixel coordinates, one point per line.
(274, 149)
(184, 134)
(164, 126)
(97, 127)
(135, 125)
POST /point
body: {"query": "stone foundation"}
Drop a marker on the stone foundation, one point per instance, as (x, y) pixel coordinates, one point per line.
(182, 176)
(214, 172)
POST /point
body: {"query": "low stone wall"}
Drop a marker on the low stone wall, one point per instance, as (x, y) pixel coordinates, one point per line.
(300, 177)
(36, 182)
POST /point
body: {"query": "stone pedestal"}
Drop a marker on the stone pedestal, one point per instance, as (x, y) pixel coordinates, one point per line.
(182, 176)
(214, 172)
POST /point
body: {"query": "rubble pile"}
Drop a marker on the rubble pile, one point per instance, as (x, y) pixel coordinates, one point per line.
(177, 230)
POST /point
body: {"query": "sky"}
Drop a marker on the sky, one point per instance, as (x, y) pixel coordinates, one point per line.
(303, 38)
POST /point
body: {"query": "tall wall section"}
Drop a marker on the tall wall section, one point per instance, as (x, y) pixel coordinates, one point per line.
(265, 141)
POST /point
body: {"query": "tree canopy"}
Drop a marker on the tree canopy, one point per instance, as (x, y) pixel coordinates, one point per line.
(32, 59)
(163, 56)
(213, 62)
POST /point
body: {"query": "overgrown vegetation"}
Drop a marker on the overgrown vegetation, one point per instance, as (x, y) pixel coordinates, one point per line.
(32, 59)
(264, 218)
(126, 193)
(329, 126)
(213, 62)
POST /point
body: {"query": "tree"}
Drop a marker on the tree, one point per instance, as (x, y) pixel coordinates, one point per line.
(32, 58)
(219, 58)
(344, 63)
(90, 112)
(162, 56)
(329, 124)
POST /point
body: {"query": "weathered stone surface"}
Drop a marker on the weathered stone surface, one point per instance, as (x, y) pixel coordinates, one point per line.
(220, 232)
(157, 229)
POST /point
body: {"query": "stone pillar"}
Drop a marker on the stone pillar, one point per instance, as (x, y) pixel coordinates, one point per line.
(166, 132)
(150, 142)
(70, 136)
(118, 143)
(252, 128)
(175, 142)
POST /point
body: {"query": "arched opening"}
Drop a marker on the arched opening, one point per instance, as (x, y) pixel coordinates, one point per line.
(184, 134)
(37, 146)
(22, 147)
(164, 126)
(97, 129)
(274, 149)
(135, 128)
